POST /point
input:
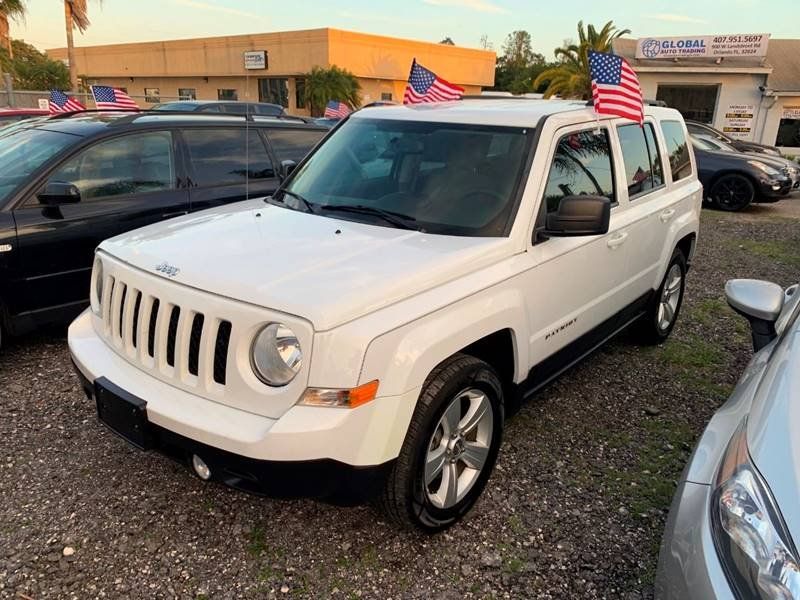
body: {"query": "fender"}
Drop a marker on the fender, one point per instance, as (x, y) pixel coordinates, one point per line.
(685, 224)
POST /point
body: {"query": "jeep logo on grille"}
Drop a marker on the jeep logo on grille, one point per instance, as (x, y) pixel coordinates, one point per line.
(167, 269)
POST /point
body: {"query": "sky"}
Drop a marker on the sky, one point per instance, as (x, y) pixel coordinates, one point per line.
(465, 21)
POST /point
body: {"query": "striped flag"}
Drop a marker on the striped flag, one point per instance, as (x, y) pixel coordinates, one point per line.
(615, 87)
(426, 86)
(59, 103)
(108, 98)
(336, 110)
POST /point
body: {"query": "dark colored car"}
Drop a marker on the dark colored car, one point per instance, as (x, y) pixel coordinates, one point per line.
(66, 184)
(733, 180)
(696, 128)
(262, 109)
(14, 115)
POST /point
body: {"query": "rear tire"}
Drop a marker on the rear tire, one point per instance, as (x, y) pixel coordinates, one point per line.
(662, 313)
(732, 192)
(450, 447)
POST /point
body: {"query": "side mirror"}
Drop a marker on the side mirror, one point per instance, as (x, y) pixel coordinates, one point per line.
(761, 303)
(580, 215)
(56, 193)
(287, 166)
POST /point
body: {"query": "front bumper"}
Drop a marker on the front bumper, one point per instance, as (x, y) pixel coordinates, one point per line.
(688, 566)
(774, 188)
(308, 440)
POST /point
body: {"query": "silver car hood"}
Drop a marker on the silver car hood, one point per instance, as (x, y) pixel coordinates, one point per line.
(773, 427)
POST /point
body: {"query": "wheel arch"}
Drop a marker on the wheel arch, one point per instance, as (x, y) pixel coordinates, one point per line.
(719, 174)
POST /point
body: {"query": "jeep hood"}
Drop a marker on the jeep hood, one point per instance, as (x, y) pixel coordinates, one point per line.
(329, 271)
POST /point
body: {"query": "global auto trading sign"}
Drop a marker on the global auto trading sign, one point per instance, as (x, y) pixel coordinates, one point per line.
(704, 46)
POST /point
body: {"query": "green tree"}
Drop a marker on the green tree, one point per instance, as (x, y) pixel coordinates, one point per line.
(570, 77)
(448, 41)
(33, 70)
(324, 85)
(519, 65)
(10, 10)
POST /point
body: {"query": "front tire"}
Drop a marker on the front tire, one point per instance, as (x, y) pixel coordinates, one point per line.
(450, 447)
(732, 192)
(662, 313)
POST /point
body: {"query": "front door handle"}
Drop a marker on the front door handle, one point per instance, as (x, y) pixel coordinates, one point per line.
(617, 240)
(177, 213)
(667, 215)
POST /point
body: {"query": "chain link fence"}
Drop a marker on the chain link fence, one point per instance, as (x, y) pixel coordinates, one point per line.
(20, 99)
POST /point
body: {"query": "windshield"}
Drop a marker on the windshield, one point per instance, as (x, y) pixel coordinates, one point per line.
(442, 178)
(25, 150)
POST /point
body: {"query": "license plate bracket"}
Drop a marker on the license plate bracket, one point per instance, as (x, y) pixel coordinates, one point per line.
(123, 413)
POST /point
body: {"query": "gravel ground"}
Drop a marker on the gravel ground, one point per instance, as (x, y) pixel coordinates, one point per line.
(575, 508)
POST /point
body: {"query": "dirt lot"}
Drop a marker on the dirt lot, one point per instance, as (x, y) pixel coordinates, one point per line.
(575, 508)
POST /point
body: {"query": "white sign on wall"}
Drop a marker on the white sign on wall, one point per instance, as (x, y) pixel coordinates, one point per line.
(255, 60)
(791, 112)
(738, 121)
(44, 104)
(704, 46)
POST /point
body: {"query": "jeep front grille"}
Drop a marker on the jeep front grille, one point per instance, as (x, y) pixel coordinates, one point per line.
(180, 341)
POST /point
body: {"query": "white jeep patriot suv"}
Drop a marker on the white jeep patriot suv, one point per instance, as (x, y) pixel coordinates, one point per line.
(366, 328)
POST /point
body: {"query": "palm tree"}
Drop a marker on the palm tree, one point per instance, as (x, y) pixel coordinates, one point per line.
(571, 79)
(324, 85)
(10, 10)
(76, 15)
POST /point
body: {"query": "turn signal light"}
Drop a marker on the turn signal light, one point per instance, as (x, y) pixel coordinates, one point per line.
(340, 398)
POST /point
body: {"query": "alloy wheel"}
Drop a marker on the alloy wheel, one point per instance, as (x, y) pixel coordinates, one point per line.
(733, 193)
(670, 297)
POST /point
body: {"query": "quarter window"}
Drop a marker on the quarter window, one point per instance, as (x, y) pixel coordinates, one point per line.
(581, 166)
(640, 158)
(132, 164)
(678, 151)
(293, 144)
(227, 156)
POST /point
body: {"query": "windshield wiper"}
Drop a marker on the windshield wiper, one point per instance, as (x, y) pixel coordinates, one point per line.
(309, 206)
(397, 219)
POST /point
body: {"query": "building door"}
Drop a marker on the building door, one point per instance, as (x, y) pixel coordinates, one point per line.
(274, 90)
(695, 102)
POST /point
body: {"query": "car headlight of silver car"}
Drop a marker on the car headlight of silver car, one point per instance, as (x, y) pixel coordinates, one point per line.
(97, 287)
(276, 355)
(751, 538)
(763, 167)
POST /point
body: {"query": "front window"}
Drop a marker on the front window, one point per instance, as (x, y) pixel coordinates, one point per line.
(24, 151)
(443, 178)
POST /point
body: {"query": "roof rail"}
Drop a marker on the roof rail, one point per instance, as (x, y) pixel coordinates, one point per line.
(248, 117)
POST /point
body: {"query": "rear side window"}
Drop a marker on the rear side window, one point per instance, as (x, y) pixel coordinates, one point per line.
(581, 166)
(227, 156)
(131, 164)
(640, 158)
(293, 144)
(678, 151)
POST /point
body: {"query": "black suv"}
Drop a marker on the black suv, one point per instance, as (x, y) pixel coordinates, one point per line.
(67, 183)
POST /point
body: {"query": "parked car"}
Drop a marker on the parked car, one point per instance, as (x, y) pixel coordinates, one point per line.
(697, 128)
(263, 109)
(732, 181)
(365, 329)
(788, 167)
(735, 519)
(13, 115)
(68, 183)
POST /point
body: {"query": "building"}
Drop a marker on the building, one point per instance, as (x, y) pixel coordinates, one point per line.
(747, 86)
(269, 67)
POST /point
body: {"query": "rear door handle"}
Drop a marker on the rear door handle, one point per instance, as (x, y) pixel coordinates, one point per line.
(617, 240)
(667, 215)
(178, 213)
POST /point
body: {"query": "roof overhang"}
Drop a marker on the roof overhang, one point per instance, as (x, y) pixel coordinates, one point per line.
(703, 69)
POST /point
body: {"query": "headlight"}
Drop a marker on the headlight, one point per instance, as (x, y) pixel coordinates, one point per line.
(97, 287)
(751, 539)
(276, 355)
(765, 168)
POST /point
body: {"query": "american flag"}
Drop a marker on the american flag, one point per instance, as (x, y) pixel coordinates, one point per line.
(108, 98)
(426, 86)
(615, 87)
(61, 103)
(336, 110)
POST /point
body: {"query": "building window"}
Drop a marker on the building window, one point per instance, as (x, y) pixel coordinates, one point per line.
(187, 94)
(789, 133)
(152, 95)
(300, 92)
(695, 102)
(274, 90)
(227, 94)
(386, 96)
